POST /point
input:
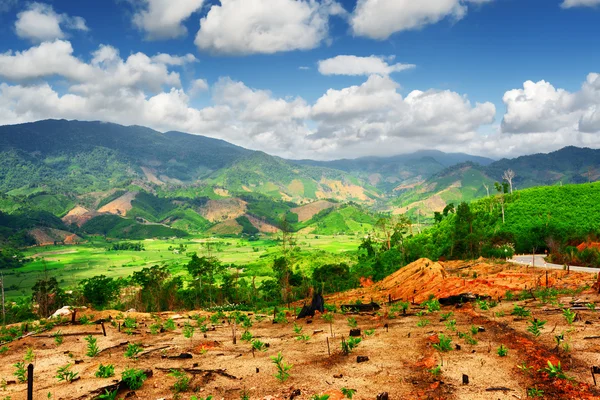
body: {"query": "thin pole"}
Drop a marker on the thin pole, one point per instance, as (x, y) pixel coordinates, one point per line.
(30, 382)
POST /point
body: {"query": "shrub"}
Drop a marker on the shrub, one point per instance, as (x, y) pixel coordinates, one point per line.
(58, 338)
(555, 371)
(170, 325)
(352, 322)
(20, 372)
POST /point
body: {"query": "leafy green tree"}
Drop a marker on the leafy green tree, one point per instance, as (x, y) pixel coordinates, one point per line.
(100, 290)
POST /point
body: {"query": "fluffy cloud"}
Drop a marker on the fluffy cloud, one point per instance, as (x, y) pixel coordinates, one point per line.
(353, 65)
(379, 19)
(265, 26)
(198, 86)
(160, 19)
(580, 3)
(539, 107)
(106, 71)
(40, 23)
(375, 112)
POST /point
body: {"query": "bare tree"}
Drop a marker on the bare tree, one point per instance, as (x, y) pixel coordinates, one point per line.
(508, 176)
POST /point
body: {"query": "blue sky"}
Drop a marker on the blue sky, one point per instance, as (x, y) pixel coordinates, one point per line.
(463, 87)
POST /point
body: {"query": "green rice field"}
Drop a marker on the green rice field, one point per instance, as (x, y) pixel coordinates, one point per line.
(71, 264)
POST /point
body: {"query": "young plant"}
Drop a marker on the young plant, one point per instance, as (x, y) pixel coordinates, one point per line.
(474, 330)
(525, 369)
(535, 392)
(303, 338)
(320, 397)
(297, 329)
(328, 317)
(133, 378)
(535, 327)
(352, 322)
(520, 311)
(188, 331)
(155, 329)
(108, 395)
(444, 345)
(182, 381)
(246, 336)
(20, 372)
(130, 323)
(349, 345)
(92, 347)
(257, 345)
(432, 305)
(132, 350)
(348, 393)
(422, 323)
(591, 306)
(369, 332)
(436, 371)
(451, 325)
(105, 371)
(64, 373)
(58, 338)
(283, 369)
(555, 371)
(502, 351)
(29, 355)
(169, 325)
(569, 315)
(446, 316)
(483, 305)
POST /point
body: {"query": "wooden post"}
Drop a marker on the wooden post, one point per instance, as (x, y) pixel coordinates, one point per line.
(593, 375)
(73, 316)
(103, 328)
(546, 278)
(30, 382)
(328, 349)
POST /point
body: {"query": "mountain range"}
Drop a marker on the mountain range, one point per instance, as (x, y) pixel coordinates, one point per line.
(104, 178)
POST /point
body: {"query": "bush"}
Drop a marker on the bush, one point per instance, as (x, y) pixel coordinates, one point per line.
(133, 378)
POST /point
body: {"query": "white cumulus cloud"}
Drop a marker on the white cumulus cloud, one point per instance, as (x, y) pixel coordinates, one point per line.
(379, 19)
(265, 26)
(163, 19)
(580, 3)
(540, 107)
(39, 23)
(354, 65)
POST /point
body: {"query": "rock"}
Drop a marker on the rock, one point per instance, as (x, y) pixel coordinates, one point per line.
(481, 329)
(295, 393)
(338, 376)
(383, 396)
(361, 359)
(355, 333)
(63, 312)
(131, 310)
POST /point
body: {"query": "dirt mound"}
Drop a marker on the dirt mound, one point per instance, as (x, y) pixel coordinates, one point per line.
(223, 209)
(78, 216)
(49, 236)
(308, 211)
(120, 206)
(262, 226)
(424, 278)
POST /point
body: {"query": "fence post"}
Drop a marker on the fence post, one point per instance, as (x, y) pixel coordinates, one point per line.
(30, 382)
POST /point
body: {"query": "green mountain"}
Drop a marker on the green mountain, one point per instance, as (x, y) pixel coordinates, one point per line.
(467, 181)
(132, 182)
